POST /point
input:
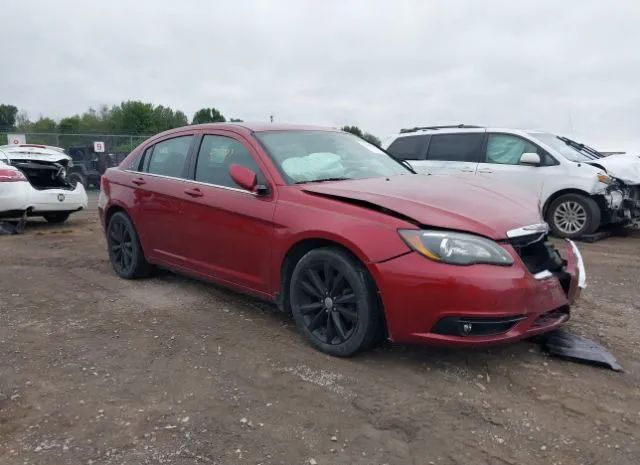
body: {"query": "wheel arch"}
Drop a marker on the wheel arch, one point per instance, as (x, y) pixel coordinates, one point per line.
(295, 252)
(560, 193)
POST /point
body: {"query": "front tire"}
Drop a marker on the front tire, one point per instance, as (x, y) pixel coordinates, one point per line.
(125, 252)
(573, 215)
(56, 217)
(334, 302)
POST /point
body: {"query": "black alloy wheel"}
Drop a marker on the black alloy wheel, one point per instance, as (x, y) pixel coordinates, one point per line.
(125, 252)
(334, 302)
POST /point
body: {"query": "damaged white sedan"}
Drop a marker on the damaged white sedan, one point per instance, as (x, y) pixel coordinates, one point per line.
(33, 182)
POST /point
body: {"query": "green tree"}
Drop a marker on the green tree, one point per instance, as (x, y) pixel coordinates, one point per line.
(165, 118)
(8, 116)
(208, 115)
(69, 124)
(133, 117)
(43, 125)
(355, 130)
(372, 139)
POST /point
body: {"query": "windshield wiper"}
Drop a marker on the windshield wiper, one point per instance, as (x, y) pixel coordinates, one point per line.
(591, 152)
(323, 180)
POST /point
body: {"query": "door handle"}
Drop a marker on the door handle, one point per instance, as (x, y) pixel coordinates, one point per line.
(193, 192)
(485, 171)
(138, 181)
(467, 170)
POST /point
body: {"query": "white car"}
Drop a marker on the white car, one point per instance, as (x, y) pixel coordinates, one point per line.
(578, 190)
(33, 182)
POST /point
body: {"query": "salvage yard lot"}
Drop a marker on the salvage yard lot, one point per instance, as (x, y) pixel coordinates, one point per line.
(95, 369)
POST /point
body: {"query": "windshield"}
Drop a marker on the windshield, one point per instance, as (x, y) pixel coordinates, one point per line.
(569, 152)
(314, 156)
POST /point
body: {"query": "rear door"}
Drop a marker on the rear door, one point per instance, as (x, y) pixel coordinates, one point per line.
(454, 153)
(229, 231)
(159, 191)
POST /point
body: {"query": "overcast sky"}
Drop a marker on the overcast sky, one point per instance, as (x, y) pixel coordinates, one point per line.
(571, 67)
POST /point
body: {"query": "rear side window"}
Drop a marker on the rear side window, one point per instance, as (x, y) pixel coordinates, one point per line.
(169, 157)
(506, 149)
(408, 148)
(456, 147)
(138, 163)
(216, 155)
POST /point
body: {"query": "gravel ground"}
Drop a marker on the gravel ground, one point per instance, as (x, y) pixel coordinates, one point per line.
(95, 369)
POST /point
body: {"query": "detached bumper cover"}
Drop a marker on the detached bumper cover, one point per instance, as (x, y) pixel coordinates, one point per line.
(418, 294)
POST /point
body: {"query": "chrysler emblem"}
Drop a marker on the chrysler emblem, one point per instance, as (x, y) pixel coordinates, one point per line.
(61, 197)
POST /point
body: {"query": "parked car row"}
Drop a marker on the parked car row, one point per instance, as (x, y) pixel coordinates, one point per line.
(350, 240)
(579, 190)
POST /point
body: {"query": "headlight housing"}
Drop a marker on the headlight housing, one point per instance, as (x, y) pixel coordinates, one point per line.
(456, 248)
(604, 178)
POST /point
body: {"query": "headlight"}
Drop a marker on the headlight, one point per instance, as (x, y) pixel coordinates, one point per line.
(605, 178)
(456, 248)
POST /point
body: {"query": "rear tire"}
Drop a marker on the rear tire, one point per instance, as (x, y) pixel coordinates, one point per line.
(573, 215)
(56, 217)
(334, 302)
(125, 252)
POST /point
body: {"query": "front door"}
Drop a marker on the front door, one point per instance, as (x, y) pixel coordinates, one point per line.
(501, 162)
(229, 231)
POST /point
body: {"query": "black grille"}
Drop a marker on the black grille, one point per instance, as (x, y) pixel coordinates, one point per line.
(538, 254)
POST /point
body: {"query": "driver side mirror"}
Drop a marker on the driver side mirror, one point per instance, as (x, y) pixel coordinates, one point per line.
(246, 179)
(530, 159)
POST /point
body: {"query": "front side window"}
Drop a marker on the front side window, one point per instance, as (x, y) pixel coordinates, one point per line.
(313, 156)
(216, 155)
(407, 148)
(169, 157)
(455, 147)
(507, 149)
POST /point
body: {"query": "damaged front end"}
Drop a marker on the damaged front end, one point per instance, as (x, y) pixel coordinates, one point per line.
(543, 260)
(621, 203)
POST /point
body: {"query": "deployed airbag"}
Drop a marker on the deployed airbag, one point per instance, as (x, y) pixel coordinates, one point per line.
(316, 165)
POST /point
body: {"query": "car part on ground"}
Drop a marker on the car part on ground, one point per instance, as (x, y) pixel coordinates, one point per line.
(33, 180)
(562, 343)
(280, 212)
(604, 190)
(13, 227)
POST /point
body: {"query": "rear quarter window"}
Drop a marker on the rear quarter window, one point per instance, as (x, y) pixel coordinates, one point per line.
(408, 148)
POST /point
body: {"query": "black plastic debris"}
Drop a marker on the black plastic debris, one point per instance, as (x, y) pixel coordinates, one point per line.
(564, 344)
(13, 227)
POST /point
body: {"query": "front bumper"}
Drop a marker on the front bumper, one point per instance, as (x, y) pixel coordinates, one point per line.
(418, 293)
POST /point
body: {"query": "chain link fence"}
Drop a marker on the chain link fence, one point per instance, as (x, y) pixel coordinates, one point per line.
(114, 143)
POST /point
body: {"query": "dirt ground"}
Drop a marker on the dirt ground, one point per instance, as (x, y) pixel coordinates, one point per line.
(96, 369)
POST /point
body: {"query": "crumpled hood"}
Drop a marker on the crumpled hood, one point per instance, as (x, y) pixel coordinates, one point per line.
(624, 167)
(479, 206)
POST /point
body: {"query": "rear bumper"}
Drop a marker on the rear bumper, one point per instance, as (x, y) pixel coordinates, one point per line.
(21, 196)
(418, 294)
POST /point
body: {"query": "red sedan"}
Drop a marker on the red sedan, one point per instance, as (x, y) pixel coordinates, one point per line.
(337, 232)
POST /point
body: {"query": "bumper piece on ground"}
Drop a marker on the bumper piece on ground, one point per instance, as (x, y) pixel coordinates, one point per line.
(572, 347)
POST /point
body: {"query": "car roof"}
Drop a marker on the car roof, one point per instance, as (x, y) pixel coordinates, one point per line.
(250, 127)
(461, 129)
